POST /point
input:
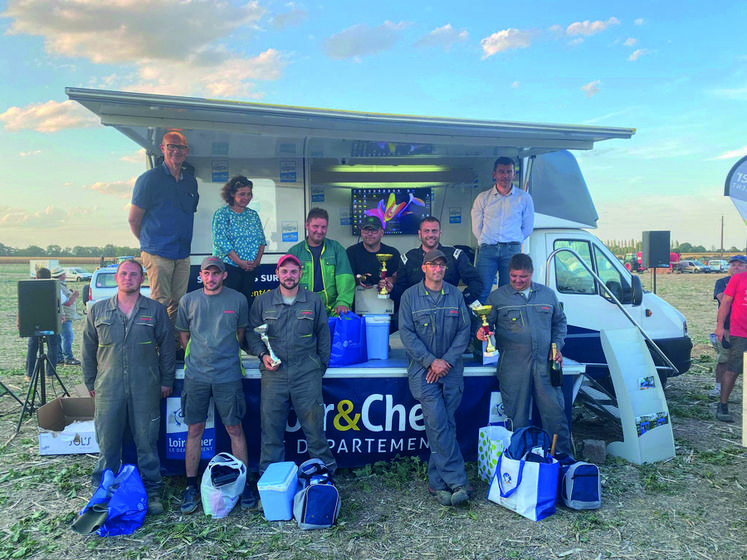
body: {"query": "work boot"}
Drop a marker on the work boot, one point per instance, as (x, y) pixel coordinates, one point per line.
(723, 414)
(155, 507)
(460, 496)
(249, 499)
(442, 496)
(189, 500)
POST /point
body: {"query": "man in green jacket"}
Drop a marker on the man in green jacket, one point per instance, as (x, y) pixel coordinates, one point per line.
(326, 269)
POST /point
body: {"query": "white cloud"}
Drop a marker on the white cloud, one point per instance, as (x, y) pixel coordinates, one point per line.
(639, 21)
(443, 37)
(590, 27)
(30, 154)
(119, 189)
(361, 40)
(592, 88)
(516, 85)
(737, 94)
(174, 46)
(294, 16)
(733, 154)
(137, 157)
(506, 39)
(49, 217)
(630, 42)
(51, 116)
(638, 53)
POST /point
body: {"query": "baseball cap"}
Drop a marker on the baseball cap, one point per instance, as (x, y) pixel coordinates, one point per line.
(740, 258)
(371, 222)
(432, 255)
(57, 272)
(207, 262)
(285, 258)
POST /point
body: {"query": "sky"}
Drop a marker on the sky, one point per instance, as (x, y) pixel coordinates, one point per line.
(674, 71)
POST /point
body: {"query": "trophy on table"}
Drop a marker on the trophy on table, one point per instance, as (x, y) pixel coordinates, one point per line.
(262, 332)
(383, 258)
(483, 311)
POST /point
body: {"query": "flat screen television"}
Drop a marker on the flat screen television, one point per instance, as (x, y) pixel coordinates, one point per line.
(399, 209)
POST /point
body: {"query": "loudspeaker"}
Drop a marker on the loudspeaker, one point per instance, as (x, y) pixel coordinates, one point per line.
(655, 249)
(39, 310)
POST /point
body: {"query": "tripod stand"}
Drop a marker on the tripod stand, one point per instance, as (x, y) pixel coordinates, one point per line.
(38, 384)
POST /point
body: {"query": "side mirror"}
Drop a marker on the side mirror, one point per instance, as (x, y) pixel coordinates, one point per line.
(637, 287)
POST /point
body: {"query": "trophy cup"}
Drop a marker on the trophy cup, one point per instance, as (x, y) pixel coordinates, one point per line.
(383, 258)
(262, 332)
(483, 311)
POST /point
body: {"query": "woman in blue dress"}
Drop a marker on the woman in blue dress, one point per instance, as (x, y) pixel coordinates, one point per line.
(238, 237)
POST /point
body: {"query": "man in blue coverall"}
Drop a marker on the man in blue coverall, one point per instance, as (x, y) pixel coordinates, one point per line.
(435, 328)
(528, 319)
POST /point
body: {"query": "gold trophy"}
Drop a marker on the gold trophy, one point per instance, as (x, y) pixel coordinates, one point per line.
(383, 258)
(262, 332)
(483, 311)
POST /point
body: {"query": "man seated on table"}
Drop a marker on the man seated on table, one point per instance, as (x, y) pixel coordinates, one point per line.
(366, 267)
(528, 319)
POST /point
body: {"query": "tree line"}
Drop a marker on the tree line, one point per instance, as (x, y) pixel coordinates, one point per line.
(633, 246)
(35, 251)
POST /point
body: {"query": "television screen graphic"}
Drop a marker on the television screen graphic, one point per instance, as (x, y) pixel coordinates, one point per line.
(399, 209)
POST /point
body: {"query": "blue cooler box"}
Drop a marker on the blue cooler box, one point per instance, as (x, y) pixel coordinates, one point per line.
(377, 336)
(277, 486)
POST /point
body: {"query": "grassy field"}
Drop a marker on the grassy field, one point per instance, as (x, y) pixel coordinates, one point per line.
(692, 506)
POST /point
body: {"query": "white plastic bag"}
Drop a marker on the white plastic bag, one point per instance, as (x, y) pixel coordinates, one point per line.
(491, 441)
(222, 484)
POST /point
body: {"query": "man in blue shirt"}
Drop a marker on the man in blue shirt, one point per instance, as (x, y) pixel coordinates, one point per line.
(502, 218)
(164, 202)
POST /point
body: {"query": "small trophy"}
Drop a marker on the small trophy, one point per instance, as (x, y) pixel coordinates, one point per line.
(383, 258)
(262, 332)
(483, 311)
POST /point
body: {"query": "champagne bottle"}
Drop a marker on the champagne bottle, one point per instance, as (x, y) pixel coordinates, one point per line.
(556, 370)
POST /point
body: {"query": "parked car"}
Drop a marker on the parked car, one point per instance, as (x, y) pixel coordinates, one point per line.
(104, 285)
(691, 266)
(77, 274)
(718, 265)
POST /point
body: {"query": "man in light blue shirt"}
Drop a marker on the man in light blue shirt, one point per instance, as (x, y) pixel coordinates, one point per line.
(502, 218)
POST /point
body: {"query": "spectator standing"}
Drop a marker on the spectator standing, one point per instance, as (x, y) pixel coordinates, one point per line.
(737, 264)
(128, 367)
(435, 329)
(238, 237)
(69, 314)
(502, 218)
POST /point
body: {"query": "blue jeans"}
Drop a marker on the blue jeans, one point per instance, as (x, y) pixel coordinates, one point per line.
(33, 350)
(492, 259)
(66, 341)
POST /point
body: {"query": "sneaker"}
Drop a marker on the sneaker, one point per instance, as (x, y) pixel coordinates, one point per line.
(460, 495)
(723, 414)
(189, 500)
(72, 362)
(250, 498)
(442, 496)
(155, 507)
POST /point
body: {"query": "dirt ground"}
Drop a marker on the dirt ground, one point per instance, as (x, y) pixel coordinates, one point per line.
(693, 506)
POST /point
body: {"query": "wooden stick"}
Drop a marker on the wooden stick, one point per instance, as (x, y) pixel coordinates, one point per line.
(554, 443)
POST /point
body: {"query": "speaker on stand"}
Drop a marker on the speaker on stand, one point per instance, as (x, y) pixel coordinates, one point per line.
(39, 315)
(655, 251)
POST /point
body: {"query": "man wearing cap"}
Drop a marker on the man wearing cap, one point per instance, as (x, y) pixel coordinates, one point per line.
(128, 367)
(737, 264)
(69, 314)
(734, 307)
(435, 328)
(528, 319)
(298, 333)
(362, 256)
(502, 218)
(326, 269)
(458, 265)
(211, 322)
(164, 202)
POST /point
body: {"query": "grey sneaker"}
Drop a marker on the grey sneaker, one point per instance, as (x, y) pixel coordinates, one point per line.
(189, 500)
(460, 496)
(155, 507)
(249, 499)
(442, 496)
(723, 414)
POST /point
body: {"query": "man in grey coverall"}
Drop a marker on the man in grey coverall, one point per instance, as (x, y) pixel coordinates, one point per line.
(527, 319)
(128, 366)
(435, 328)
(299, 335)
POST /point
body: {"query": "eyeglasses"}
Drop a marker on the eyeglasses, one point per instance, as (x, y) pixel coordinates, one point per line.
(180, 147)
(436, 265)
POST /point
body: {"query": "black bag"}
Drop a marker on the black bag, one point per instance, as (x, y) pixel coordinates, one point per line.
(317, 502)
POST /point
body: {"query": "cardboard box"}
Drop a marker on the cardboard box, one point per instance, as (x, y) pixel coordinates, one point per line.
(66, 427)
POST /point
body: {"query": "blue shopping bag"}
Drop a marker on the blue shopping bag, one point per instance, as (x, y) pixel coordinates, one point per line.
(124, 498)
(348, 334)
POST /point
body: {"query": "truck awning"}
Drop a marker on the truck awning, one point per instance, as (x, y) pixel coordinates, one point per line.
(137, 115)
